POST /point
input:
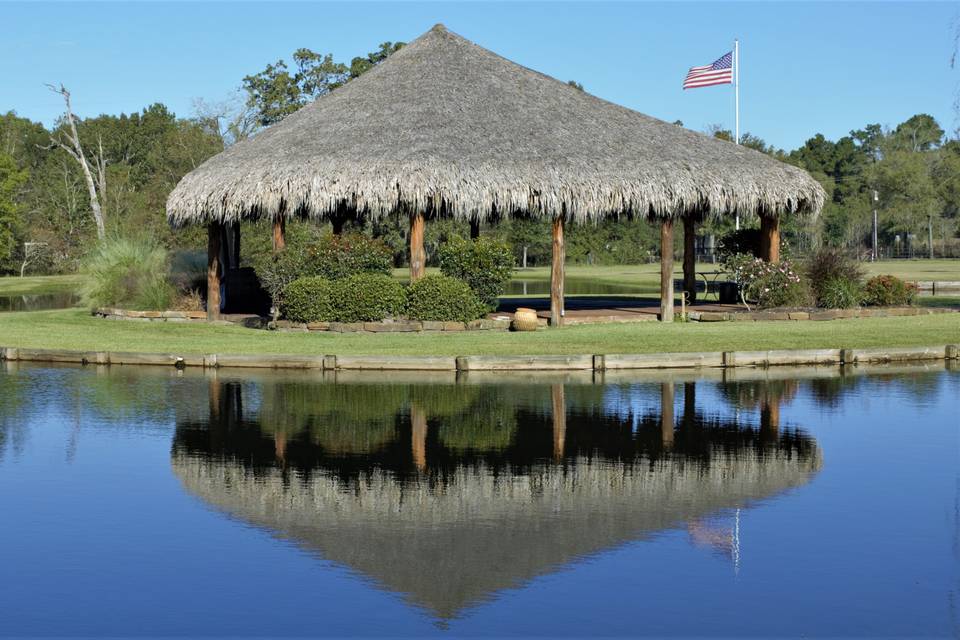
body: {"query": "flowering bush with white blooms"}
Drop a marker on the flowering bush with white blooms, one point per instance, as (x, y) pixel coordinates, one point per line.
(768, 284)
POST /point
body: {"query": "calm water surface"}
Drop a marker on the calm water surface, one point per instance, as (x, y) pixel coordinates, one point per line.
(139, 502)
(39, 302)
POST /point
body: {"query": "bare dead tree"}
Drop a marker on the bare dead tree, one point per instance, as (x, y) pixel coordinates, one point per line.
(70, 142)
(231, 120)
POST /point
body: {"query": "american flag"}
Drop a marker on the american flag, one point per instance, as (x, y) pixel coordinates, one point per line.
(720, 72)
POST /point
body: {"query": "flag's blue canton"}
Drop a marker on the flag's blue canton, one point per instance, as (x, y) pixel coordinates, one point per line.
(724, 62)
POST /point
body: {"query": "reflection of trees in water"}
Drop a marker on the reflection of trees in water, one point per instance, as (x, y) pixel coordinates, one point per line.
(755, 394)
(350, 430)
(13, 397)
(916, 387)
(122, 397)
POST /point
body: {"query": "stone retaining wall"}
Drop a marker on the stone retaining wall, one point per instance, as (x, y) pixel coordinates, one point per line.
(600, 362)
(502, 323)
(814, 314)
(396, 326)
(255, 322)
(150, 316)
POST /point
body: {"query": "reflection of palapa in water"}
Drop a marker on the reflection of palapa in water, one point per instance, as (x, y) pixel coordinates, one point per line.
(452, 539)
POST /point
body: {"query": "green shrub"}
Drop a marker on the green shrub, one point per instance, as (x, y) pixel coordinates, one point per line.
(336, 257)
(768, 284)
(331, 257)
(740, 241)
(888, 291)
(308, 300)
(440, 297)
(484, 264)
(827, 266)
(840, 293)
(366, 297)
(130, 273)
(276, 271)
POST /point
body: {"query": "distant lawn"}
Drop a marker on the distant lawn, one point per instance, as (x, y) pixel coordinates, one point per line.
(76, 329)
(37, 285)
(943, 269)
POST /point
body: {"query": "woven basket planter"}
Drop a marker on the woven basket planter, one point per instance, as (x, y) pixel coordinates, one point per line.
(525, 320)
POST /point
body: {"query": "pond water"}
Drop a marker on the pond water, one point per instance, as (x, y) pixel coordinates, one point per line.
(784, 502)
(573, 287)
(39, 302)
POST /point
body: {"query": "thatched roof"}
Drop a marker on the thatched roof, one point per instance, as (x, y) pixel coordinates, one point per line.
(447, 127)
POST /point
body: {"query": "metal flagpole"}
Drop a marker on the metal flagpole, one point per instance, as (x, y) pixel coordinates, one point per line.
(736, 101)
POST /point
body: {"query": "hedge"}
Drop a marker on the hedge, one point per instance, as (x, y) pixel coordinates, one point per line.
(308, 300)
(367, 297)
(439, 297)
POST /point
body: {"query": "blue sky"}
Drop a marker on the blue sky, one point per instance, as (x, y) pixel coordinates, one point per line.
(806, 67)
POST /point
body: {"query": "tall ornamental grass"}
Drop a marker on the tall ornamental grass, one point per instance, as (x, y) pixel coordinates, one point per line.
(131, 273)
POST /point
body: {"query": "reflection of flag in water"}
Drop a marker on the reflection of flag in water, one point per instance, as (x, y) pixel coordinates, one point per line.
(720, 72)
(720, 539)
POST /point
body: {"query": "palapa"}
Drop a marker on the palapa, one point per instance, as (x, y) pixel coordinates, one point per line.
(448, 128)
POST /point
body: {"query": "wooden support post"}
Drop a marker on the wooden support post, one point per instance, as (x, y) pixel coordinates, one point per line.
(418, 256)
(474, 229)
(666, 414)
(557, 275)
(279, 235)
(214, 235)
(690, 259)
(559, 420)
(337, 223)
(666, 270)
(770, 238)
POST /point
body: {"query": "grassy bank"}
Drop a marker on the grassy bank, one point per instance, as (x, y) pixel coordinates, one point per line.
(76, 329)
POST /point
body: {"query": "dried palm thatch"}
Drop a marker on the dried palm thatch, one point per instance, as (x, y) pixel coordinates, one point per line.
(448, 128)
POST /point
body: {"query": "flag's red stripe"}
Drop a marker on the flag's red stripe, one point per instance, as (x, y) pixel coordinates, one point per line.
(710, 81)
(709, 77)
(728, 76)
(706, 84)
(717, 79)
(709, 72)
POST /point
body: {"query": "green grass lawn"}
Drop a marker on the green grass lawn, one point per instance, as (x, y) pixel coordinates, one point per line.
(36, 285)
(77, 329)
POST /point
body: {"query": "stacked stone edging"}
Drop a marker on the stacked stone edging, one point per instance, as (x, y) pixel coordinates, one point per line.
(150, 316)
(600, 362)
(814, 314)
(503, 323)
(384, 326)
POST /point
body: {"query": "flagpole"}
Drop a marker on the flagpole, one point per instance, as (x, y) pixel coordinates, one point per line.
(736, 102)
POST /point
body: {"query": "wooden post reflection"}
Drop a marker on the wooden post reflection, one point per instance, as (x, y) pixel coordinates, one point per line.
(418, 442)
(770, 416)
(214, 400)
(280, 446)
(559, 420)
(666, 414)
(689, 403)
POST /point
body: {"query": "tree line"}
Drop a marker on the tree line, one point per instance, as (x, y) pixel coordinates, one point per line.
(63, 188)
